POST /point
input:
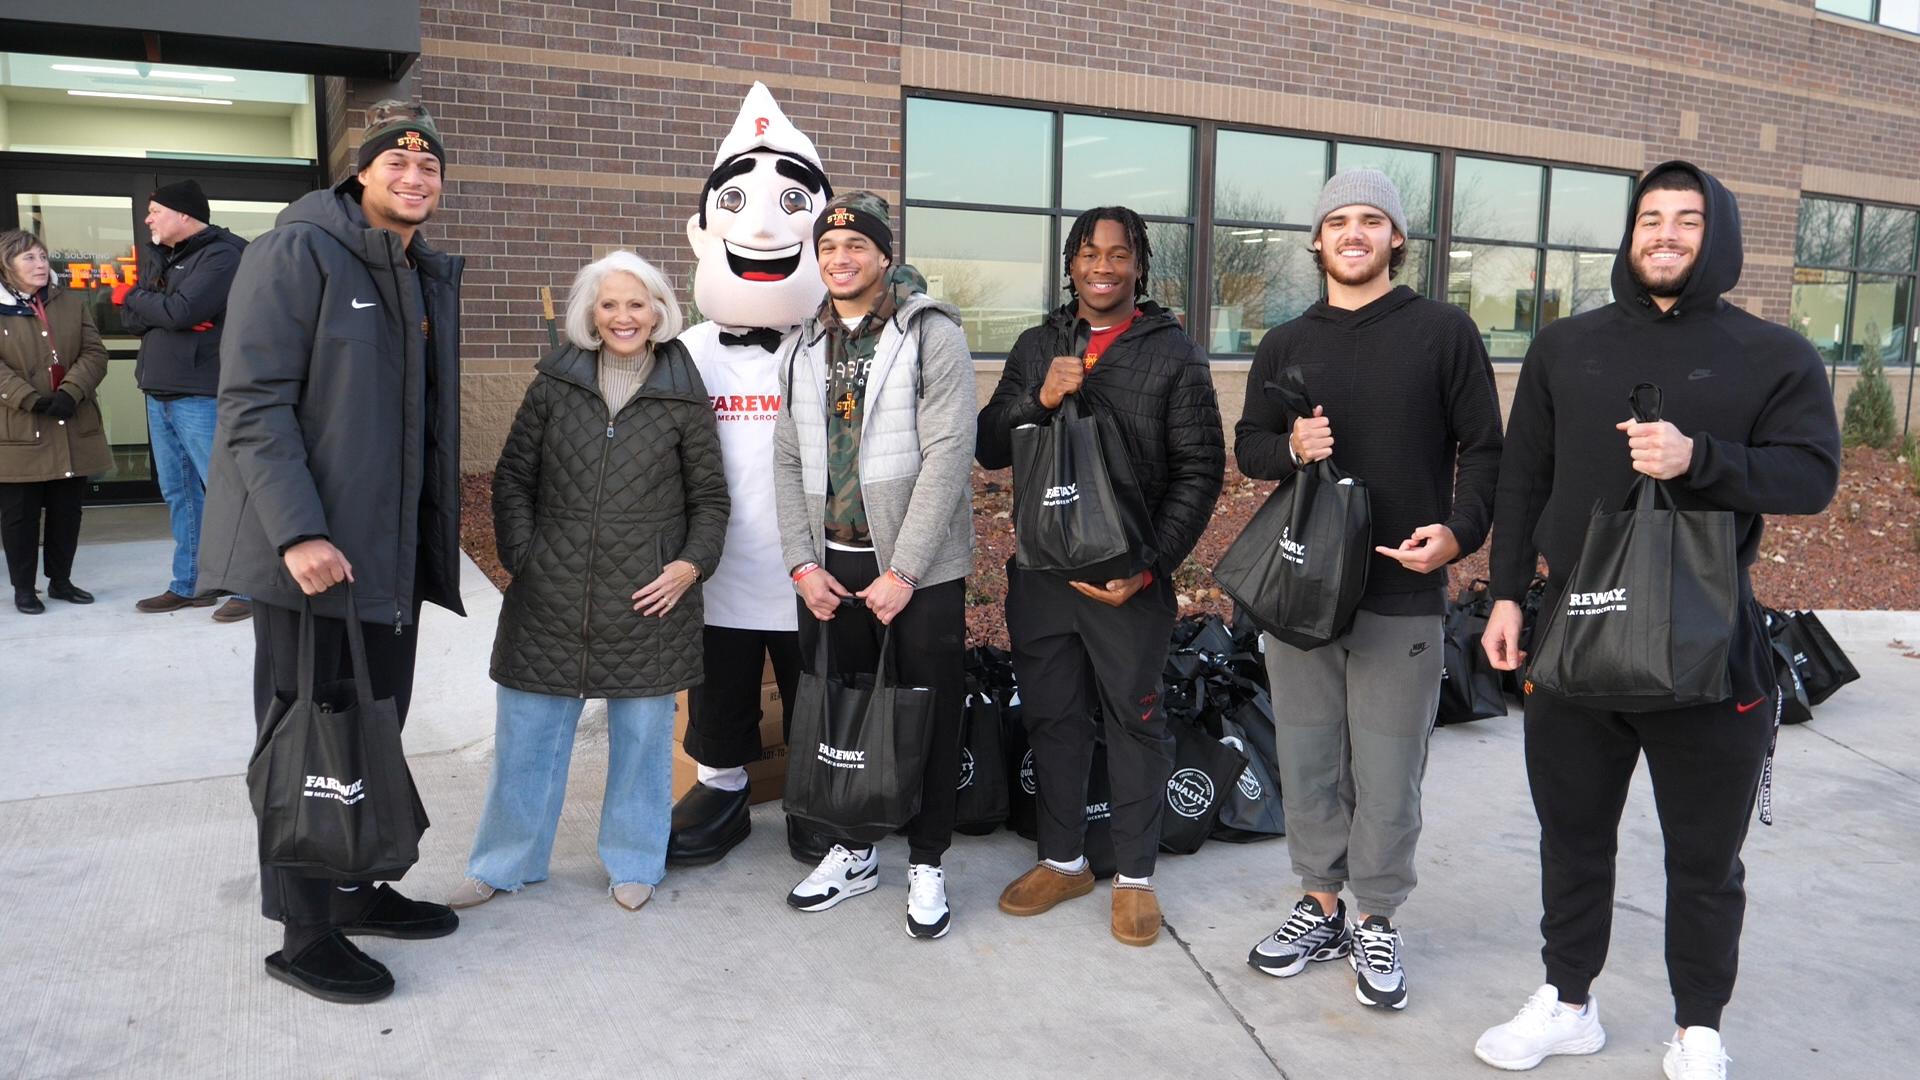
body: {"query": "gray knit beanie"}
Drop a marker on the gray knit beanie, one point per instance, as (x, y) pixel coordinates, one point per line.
(1361, 187)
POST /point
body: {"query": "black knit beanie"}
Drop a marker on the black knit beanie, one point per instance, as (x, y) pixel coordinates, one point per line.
(185, 197)
(864, 213)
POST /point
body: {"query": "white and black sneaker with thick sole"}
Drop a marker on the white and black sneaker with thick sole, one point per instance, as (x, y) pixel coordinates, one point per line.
(841, 874)
(1378, 978)
(1542, 1028)
(927, 913)
(1309, 934)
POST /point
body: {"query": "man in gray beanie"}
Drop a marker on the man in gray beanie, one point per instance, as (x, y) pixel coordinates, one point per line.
(1407, 381)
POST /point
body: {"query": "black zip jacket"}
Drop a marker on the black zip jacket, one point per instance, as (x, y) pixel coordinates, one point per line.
(1156, 385)
(1407, 386)
(188, 289)
(339, 414)
(1751, 394)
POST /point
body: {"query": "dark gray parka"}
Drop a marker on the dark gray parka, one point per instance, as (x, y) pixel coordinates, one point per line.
(339, 415)
(587, 510)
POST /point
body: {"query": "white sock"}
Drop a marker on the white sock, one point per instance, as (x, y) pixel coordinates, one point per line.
(721, 779)
(1073, 867)
(1138, 882)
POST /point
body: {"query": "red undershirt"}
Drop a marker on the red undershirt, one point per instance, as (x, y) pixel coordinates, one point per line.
(1097, 346)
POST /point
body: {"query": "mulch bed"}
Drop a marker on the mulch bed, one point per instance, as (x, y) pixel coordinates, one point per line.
(1863, 553)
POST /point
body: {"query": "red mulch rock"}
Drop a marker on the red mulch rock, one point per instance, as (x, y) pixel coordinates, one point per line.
(1862, 554)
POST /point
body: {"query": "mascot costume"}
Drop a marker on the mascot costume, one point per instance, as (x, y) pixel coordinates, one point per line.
(756, 281)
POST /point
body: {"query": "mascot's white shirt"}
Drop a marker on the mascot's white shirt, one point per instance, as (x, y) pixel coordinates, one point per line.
(750, 589)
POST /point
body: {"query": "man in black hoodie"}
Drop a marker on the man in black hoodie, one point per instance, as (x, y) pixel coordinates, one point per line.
(179, 310)
(1142, 371)
(1749, 427)
(1402, 390)
(336, 460)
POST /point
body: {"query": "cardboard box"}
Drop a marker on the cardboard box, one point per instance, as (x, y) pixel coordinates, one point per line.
(767, 776)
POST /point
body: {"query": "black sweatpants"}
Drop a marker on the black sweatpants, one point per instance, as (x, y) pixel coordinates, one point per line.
(1063, 643)
(929, 649)
(21, 508)
(723, 712)
(1705, 763)
(311, 906)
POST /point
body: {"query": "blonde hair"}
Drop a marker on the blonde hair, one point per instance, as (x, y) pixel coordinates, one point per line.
(585, 291)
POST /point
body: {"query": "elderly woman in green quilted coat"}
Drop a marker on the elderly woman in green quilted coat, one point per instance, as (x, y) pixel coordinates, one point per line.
(609, 508)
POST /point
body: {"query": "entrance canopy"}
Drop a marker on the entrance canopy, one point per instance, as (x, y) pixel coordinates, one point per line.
(376, 39)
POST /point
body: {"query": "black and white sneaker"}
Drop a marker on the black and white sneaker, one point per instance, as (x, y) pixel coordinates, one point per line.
(1309, 934)
(1378, 978)
(927, 913)
(841, 874)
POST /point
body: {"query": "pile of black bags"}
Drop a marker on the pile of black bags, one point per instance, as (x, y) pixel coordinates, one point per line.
(1225, 782)
(1808, 664)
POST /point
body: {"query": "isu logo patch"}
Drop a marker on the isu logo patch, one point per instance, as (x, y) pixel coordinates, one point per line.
(412, 140)
(840, 218)
(1526, 688)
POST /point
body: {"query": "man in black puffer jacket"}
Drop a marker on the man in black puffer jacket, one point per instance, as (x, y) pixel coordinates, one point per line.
(1143, 372)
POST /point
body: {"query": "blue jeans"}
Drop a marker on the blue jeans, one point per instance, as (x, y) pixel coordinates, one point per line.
(532, 747)
(181, 432)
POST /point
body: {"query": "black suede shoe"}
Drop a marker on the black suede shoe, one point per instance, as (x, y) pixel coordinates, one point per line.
(333, 969)
(708, 823)
(805, 845)
(395, 916)
(27, 602)
(68, 591)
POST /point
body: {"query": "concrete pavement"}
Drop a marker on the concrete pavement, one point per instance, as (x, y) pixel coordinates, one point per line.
(130, 942)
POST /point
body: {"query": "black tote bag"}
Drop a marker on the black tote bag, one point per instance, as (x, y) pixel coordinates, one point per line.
(857, 755)
(1252, 809)
(1794, 706)
(1822, 665)
(981, 799)
(1078, 508)
(1470, 687)
(1647, 618)
(1204, 771)
(328, 778)
(1297, 570)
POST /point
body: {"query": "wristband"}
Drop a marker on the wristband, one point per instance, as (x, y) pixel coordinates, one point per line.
(903, 578)
(1147, 574)
(803, 570)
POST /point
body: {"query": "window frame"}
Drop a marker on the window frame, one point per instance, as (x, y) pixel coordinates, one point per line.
(1872, 18)
(1909, 347)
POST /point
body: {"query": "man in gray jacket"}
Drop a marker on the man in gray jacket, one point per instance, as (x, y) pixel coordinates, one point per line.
(873, 457)
(337, 459)
(179, 309)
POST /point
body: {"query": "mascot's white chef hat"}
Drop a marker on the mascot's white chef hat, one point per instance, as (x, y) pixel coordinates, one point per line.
(762, 126)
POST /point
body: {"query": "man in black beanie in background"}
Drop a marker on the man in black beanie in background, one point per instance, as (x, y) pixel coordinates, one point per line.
(337, 459)
(179, 308)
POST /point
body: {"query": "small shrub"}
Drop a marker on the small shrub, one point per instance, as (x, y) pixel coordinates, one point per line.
(1869, 419)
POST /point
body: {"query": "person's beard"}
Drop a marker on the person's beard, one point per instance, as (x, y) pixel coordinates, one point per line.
(1672, 286)
(1377, 264)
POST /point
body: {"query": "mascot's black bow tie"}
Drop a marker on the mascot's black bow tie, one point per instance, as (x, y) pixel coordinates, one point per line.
(765, 336)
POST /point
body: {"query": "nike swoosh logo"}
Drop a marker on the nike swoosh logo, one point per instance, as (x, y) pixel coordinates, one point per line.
(358, 305)
(1749, 706)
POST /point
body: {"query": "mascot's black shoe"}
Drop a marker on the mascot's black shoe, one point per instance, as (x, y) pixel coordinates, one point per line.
(805, 845)
(708, 823)
(332, 969)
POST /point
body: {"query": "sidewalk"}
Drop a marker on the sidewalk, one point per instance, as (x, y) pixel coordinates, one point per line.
(130, 941)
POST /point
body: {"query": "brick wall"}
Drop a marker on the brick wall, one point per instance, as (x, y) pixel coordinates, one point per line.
(577, 127)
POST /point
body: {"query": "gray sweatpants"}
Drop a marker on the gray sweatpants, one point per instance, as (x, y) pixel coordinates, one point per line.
(1352, 719)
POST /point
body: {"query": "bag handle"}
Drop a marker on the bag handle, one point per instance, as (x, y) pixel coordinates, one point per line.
(356, 651)
(888, 671)
(1648, 400)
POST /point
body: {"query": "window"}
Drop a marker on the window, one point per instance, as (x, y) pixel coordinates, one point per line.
(1265, 188)
(1853, 280)
(1899, 14)
(991, 191)
(990, 188)
(1530, 244)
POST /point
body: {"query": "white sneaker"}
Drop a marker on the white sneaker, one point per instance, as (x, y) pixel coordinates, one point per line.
(1541, 1029)
(927, 913)
(841, 874)
(1698, 1054)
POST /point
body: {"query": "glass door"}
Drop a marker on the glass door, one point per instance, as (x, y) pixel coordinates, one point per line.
(91, 220)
